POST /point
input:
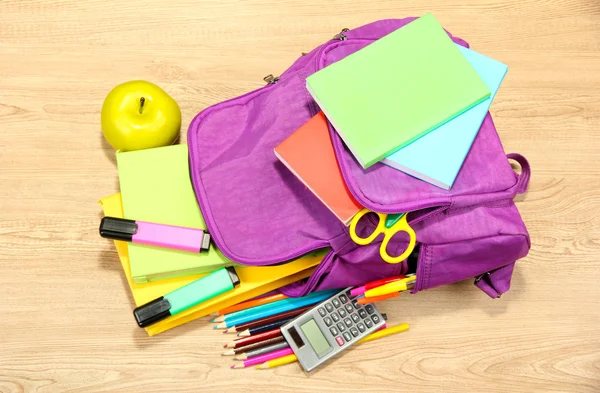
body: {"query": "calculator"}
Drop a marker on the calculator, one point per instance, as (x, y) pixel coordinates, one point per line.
(329, 328)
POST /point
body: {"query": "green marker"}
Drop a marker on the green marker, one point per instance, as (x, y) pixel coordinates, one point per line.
(181, 299)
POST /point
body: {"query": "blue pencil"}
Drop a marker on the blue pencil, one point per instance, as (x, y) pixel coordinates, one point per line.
(255, 309)
(276, 308)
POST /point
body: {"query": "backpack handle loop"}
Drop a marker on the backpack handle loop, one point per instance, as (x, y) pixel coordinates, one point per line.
(523, 178)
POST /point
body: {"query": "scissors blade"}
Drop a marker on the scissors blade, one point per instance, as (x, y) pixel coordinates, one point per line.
(391, 219)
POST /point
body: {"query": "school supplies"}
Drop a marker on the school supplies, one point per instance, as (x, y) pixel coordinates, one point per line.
(315, 337)
(196, 292)
(252, 303)
(367, 300)
(396, 286)
(253, 281)
(291, 302)
(373, 284)
(393, 91)
(283, 306)
(260, 329)
(309, 154)
(389, 225)
(264, 358)
(153, 234)
(438, 156)
(240, 342)
(261, 351)
(267, 320)
(380, 333)
(278, 362)
(156, 187)
(260, 344)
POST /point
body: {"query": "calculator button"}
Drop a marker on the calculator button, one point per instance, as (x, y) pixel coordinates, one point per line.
(355, 318)
(355, 304)
(369, 323)
(333, 331)
(375, 318)
(329, 307)
(348, 337)
(341, 326)
(369, 308)
(336, 303)
(354, 331)
(342, 313)
(322, 311)
(339, 340)
(335, 317)
(349, 308)
(362, 313)
(361, 327)
(348, 322)
(328, 321)
(343, 299)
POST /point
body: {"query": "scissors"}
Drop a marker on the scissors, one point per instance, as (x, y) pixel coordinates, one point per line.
(389, 225)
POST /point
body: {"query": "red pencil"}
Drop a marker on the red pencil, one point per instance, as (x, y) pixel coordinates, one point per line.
(253, 339)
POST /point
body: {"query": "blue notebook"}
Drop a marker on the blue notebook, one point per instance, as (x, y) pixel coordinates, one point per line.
(438, 156)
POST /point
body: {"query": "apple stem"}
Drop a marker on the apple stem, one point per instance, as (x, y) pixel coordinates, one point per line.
(142, 100)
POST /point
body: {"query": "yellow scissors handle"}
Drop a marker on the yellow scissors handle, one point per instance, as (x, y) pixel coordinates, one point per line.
(400, 226)
(363, 241)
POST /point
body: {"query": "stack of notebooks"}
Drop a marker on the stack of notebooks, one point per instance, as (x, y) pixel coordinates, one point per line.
(156, 187)
(413, 100)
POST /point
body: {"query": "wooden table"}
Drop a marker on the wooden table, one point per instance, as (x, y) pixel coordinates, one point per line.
(65, 310)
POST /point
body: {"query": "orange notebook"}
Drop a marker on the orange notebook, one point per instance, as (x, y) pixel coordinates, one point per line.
(309, 154)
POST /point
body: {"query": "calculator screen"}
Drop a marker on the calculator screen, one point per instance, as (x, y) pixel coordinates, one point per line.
(315, 337)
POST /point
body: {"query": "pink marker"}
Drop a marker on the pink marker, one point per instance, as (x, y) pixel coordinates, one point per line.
(153, 234)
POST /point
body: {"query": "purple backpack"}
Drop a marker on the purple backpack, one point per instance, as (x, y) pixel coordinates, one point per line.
(259, 213)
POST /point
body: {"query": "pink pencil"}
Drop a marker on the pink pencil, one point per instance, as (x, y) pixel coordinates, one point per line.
(260, 359)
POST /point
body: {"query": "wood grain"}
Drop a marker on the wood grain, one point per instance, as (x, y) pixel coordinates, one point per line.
(65, 311)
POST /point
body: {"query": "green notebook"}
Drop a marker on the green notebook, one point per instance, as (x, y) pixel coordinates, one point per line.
(396, 89)
(156, 187)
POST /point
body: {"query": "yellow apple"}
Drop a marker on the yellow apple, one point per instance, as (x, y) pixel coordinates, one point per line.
(140, 115)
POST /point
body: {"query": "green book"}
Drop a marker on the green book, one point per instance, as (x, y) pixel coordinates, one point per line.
(396, 89)
(156, 187)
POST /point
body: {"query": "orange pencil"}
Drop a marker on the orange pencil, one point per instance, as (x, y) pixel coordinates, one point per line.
(253, 303)
(367, 300)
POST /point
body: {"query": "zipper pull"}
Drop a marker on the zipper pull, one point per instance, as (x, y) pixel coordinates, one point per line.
(270, 79)
(341, 36)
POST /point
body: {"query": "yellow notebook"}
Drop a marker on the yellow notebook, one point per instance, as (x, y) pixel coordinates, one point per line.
(254, 280)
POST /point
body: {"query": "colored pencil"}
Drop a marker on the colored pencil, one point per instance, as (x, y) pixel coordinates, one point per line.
(396, 286)
(373, 336)
(289, 303)
(268, 320)
(367, 300)
(276, 308)
(260, 344)
(264, 328)
(240, 342)
(278, 362)
(374, 284)
(253, 303)
(263, 358)
(261, 351)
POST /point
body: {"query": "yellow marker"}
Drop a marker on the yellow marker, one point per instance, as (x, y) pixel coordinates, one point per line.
(278, 362)
(396, 286)
(373, 336)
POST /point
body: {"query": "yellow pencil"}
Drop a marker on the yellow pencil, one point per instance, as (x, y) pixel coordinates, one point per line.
(373, 336)
(396, 286)
(278, 362)
(385, 332)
